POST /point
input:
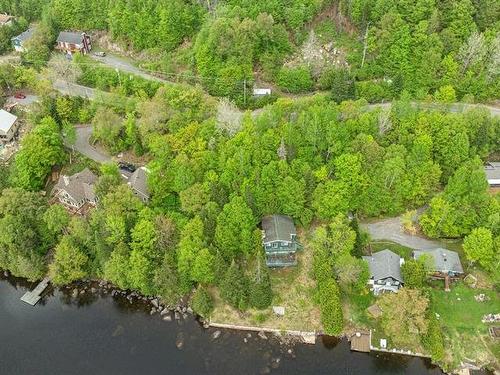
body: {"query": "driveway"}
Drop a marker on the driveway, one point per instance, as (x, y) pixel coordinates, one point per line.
(83, 146)
(126, 66)
(391, 230)
(30, 99)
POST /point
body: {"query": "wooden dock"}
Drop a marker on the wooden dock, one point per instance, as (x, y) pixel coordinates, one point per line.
(35, 295)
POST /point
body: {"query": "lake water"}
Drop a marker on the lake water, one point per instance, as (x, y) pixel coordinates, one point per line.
(101, 334)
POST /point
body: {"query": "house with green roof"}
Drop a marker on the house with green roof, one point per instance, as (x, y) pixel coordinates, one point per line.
(279, 238)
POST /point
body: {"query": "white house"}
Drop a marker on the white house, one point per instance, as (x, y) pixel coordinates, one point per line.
(8, 126)
(492, 170)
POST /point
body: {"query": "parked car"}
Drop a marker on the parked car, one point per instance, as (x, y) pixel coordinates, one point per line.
(127, 166)
(100, 54)
(19, 95)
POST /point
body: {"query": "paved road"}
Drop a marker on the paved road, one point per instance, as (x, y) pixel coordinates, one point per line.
(83, 146)
(391, 230)
(452, 107)
(125, 66)
(72, 89)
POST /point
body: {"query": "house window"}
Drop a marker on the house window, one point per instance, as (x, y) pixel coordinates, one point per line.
(275, 245)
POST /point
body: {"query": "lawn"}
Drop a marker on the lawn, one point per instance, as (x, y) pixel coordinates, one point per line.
(460, 315)
(293, 289)
(402, 251)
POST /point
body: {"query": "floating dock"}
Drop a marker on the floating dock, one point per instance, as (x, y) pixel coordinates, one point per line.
(35, 295)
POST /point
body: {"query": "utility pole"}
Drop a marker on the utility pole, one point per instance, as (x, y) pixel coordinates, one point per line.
(365, 44)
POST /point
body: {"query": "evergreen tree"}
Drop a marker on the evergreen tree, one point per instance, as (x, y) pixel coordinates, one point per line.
(234, 287)
(261, 293)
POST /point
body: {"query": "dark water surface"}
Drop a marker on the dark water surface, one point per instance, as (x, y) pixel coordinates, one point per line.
(101, 334)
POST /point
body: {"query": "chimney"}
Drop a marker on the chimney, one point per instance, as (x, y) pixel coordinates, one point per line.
(66, 180)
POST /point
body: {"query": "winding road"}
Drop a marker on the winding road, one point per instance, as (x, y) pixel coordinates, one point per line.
(84, 147)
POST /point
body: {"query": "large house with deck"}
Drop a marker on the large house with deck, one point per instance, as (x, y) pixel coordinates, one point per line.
(279, 238)
(77, 190)
(73, 42)
(8, 126)
(385, 271)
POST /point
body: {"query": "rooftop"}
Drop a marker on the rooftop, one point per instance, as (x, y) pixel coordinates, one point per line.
(79, 186)
(5, 18)
(6, 121)
(139, 181)
(70, 37)
(444, 260)
(492, 170)
(384, 264)
(278, 228)
(25, 35)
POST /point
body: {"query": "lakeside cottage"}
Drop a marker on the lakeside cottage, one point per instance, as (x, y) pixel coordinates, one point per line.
(77, 190)
(73, 42)
(18, 42)
(385, 271)
(8, 126)
(445, 262)
(492, 171)
(138, 182)
(279, 238)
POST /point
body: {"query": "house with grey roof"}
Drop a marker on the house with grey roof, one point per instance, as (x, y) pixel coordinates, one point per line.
(77, 190)
(492, 171)
(445, 262)
(18, 42)
(279, 238)
(8, 126)
(138, 182)
(73, 42)
(385, 271)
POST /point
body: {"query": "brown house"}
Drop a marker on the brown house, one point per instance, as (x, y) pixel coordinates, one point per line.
(73, 42)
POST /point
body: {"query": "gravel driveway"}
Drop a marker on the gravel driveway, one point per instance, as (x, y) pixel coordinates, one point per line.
(391, 230)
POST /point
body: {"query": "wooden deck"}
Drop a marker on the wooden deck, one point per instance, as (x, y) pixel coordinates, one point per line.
(35, 295)
(361, 342)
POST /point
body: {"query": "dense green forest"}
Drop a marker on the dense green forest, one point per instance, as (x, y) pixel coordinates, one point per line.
(445, 49)
(327, 160)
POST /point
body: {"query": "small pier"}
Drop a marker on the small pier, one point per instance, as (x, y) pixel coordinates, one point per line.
(35, 295)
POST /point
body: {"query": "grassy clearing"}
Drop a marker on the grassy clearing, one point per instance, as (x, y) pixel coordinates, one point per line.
(460, 316)
(293, 289)
(402, 251)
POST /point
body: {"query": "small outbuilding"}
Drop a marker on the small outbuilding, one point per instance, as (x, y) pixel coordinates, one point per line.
(385, 271)
(73, 42)
(77, 190)
(279, 238)
(8, 126)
